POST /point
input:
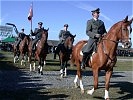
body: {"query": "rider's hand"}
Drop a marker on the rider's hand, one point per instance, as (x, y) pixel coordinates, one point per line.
(97, 35)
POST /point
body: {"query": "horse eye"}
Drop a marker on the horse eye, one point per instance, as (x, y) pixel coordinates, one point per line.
(124, 29)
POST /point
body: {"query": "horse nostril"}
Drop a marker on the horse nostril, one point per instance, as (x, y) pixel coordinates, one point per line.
(127, 43)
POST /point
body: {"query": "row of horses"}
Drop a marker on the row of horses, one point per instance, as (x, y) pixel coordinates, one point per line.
(25, 49)
(103, 59)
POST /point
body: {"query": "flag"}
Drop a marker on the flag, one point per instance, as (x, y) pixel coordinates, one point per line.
(30, 15)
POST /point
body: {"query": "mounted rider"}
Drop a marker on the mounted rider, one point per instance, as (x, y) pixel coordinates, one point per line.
(38, 34)
(95, 29)
(64, 34)
(62, 37)
(21, 36)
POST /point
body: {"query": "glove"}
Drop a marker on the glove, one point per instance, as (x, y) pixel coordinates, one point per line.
(97, 35)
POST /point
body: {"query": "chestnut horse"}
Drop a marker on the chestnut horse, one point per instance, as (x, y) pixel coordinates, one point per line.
(40, 52)
(64, 51)
(105, 57)
(21, 50)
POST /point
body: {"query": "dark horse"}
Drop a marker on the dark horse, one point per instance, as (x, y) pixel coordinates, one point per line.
(64, 52)
(21, 50)
(40, 52)
(105, 57)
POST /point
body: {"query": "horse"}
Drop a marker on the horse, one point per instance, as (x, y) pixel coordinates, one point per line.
(40, 52)
(23, 48)
(64, 52)
(105, 56)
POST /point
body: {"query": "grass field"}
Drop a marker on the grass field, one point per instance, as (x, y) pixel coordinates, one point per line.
(53, 64)
(121, 90)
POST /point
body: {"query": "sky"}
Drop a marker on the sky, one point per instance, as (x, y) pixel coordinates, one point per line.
(54, 14)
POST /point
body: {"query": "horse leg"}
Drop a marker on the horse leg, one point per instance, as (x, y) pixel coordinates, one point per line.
(79, 75)
(42, 64)
(95, 76)
(107, 80)
(65, 70)
(15, 56)
(39, 60)
(29, 58)
(22, 58)
(61, 71)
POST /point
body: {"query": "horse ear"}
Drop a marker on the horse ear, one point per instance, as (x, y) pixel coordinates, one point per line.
(47, 29)
(126, 19)
(74, 36)
(130, 21)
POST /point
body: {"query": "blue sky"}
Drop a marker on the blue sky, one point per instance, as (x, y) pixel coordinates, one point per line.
(54, 14)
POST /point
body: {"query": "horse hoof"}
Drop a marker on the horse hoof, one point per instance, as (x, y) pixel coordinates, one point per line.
(41, 73)
(76, 85)
(82, 91)
(89, 92)
(65, 75)
(61, 75)
(38, 71)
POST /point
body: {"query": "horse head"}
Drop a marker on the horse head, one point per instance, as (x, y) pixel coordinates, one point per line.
(69, 41)
(125, 33)
(120, 32)
(45, 34)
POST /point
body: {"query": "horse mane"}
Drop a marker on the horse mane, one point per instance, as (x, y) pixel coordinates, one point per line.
(112, 28)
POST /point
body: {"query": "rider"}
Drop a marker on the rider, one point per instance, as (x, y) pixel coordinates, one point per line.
(37, 33)
(95, 29)
(64, 34)
(21, 36)
(62, 37)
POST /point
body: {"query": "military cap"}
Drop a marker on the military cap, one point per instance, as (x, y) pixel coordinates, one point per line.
(66, 25)
(22, 29)
(40, 23)
(96, 10)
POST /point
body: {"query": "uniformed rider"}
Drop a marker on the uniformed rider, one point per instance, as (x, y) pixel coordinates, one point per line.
(95, 30)
(21, 36)
(38, 34)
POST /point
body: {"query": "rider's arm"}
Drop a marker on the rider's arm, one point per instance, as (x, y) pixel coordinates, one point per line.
(35, 32)
(60, 35)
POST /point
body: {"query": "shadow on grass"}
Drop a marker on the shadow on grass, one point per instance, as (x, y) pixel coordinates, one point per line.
(125, 87)
(17, 84)
(125, 92)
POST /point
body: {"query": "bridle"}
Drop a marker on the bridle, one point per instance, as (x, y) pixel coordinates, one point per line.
(122, 40)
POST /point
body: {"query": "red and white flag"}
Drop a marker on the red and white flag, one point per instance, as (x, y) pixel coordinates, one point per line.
(30, 15)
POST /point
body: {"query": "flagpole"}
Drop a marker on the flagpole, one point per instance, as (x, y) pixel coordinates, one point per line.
(31, 24)
(32, 13)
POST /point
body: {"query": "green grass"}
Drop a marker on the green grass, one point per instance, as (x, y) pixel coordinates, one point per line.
(124, 66)
(54, 65)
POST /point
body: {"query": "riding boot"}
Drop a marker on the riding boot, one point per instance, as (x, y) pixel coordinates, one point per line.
(84, 59)
(54, 55)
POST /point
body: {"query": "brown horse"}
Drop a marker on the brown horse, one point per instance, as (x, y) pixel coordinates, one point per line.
(21, 50)
(64, 52)
(105, 57)
(41, 51)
